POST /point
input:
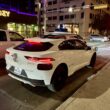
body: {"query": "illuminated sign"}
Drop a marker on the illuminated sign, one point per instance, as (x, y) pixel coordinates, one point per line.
(101, 6)
(4, 13)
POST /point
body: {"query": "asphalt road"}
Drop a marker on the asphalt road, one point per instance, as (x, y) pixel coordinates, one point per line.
(40, 98)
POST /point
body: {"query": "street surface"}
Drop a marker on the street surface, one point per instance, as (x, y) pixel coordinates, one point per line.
(17, 96)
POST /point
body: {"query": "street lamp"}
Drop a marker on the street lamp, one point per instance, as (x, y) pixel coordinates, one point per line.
(38, 6)
(70, 9)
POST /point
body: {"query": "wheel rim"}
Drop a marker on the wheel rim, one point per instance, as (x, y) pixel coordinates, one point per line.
(59, 79)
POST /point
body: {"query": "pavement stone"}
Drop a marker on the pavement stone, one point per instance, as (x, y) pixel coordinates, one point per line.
(9, 103)
(93, 95)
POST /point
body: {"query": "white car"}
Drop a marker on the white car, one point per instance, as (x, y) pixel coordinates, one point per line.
(48, 62)
(99, 38)
(8, 39)
(63, 35)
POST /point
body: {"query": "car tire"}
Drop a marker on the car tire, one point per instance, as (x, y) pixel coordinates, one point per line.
(58, 79)
(93, 60)
(2, 63)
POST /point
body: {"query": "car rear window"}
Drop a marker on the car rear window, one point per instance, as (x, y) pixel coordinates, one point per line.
(34, 46)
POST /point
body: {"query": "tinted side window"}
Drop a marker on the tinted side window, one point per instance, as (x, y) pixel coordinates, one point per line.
(79, 45)
(3, 36)
(67, 45)
(15, 37)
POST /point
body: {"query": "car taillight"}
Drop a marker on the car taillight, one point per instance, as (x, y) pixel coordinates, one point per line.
(7, 52)
(34, 43)
(44, 60)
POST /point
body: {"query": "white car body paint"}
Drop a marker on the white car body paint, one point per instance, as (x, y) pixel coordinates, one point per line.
(74, 59)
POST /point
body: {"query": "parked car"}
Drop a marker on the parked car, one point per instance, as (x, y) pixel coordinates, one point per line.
(61, 35)
(7, 39)
(48, 62)
(98, 38)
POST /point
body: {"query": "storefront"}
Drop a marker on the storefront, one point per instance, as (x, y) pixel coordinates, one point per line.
(22, 23)
(73, 28)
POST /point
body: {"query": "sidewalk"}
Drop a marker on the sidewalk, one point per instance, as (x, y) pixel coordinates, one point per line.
(93, 95)
(9, 103)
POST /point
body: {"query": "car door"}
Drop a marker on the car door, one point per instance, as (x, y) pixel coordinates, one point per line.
(74, 54)
(78, 56)
(15, 38)
(84, 53)
(69, 54)
(3, 43)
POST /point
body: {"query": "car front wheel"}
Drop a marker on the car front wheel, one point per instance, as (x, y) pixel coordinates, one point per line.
(93, 60)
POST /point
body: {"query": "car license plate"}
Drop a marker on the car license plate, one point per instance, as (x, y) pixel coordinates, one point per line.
(17, 70)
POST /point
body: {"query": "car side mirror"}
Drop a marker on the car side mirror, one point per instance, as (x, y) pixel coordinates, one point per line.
(95, 48)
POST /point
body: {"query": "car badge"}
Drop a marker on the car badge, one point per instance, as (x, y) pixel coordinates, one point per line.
(14, 57)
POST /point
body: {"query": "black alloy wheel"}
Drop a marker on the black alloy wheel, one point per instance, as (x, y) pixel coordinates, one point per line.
(93, 60)
(58, 79)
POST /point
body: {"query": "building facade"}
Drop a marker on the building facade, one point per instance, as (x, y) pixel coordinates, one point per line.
(75, 15)
(18, 15)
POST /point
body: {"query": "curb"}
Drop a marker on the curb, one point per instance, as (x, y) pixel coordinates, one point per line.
(71, 99)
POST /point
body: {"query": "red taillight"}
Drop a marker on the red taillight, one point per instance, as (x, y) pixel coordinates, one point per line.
(35, 59)
(33, 42)
(7, 52)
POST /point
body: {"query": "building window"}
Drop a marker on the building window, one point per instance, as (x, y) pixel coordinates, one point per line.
(82, 15)
(49, 3)
(66, 16)
(74, 6)
(72, 16)
(92, 6)
(41, 5)
(49, 18)
(83, 4)
(54, 9)
(41, 20)
(55, 2)
(91, 16)
(41, 12)
(61, 18)
(66, 1)
(54, 17)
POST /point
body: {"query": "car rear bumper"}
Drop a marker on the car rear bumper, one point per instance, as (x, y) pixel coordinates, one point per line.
(26, 80)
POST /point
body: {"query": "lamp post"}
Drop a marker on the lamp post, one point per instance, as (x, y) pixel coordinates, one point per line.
(45, 17)
(38, 9)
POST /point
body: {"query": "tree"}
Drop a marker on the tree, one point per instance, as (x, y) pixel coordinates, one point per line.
(102, 23)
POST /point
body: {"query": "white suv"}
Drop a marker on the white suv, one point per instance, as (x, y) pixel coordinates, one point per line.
(48, 62)
(7, 39)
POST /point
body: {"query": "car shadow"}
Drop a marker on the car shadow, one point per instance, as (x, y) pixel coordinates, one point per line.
(36, 96)
(73, 83)
(2, 67)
